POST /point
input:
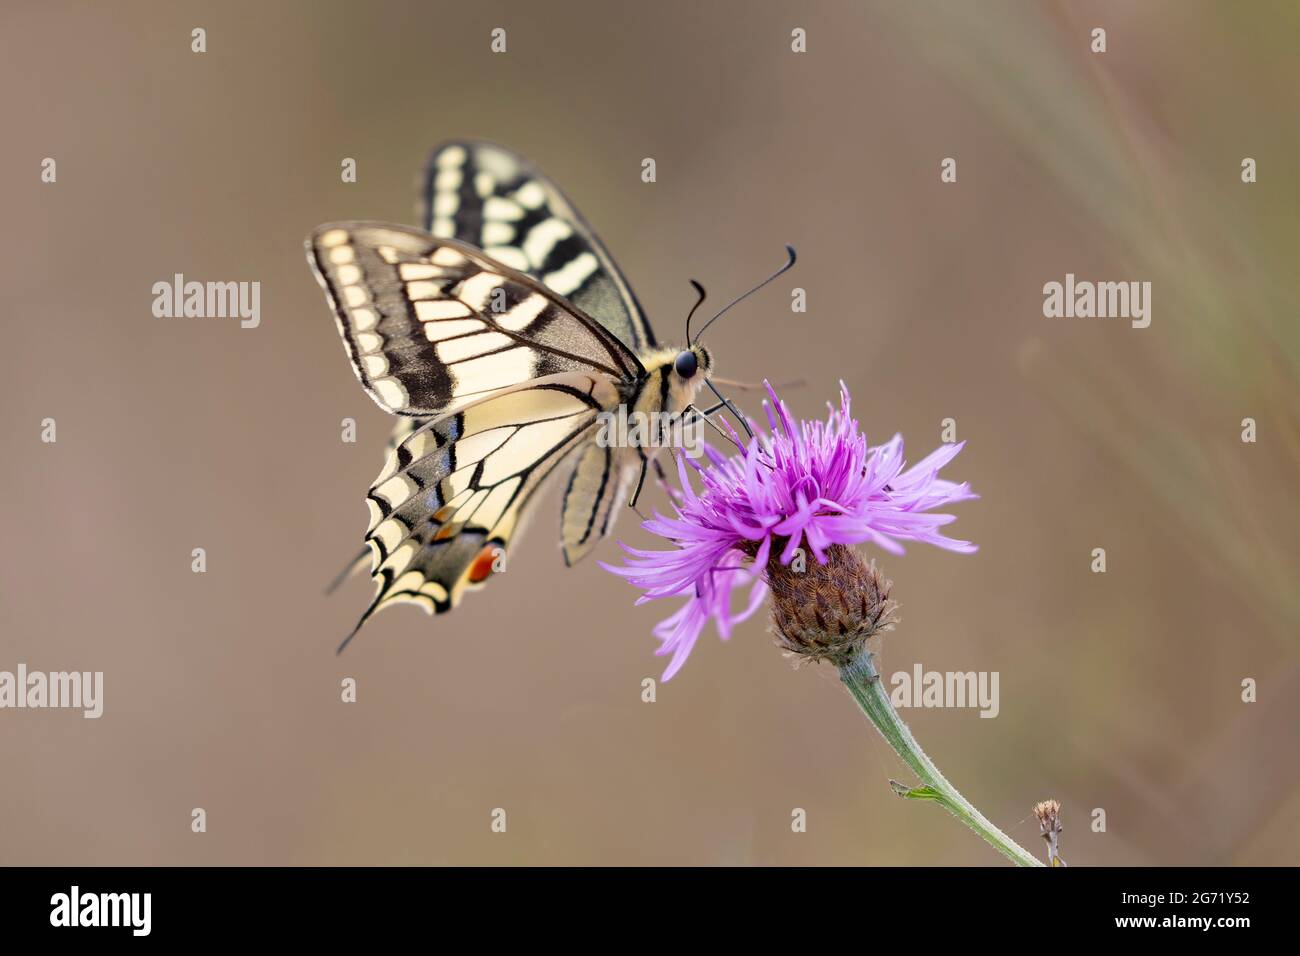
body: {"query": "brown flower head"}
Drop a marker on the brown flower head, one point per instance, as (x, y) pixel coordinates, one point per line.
(828, 611)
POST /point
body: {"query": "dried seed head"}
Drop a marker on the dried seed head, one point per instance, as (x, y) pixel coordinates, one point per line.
(1048, 813)
(828, 611)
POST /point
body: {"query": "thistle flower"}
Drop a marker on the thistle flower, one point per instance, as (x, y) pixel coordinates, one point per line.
(812, 487)
(820, 486)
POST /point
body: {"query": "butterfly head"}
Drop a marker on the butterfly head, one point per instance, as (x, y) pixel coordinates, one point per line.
(692, 362)
(682, 372)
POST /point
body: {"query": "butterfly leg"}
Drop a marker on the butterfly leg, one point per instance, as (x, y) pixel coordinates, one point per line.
(705, 415)
(661, 477)
(640, 483)
(730, 407)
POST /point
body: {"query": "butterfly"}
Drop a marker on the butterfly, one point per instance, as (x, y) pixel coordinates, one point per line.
(499, 334)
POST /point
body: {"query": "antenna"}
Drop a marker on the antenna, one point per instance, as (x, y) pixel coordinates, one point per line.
(785, 268)
(698, 302)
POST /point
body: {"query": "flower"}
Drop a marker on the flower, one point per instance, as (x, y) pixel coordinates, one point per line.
(815, 485)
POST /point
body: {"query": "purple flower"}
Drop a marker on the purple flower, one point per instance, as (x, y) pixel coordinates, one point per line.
(809, 486)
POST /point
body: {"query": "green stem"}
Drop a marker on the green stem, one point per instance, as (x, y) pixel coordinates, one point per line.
(863, 681)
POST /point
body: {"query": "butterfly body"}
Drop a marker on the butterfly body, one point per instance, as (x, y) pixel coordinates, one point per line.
(661, 394)
(501, 335)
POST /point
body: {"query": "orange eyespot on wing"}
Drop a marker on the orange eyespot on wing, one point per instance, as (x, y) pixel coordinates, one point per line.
(484, 564)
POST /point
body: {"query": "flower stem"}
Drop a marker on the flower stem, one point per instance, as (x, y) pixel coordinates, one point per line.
(863, 681)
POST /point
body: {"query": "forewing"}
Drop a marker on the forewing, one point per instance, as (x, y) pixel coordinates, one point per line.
(432, 324)
(493, 198)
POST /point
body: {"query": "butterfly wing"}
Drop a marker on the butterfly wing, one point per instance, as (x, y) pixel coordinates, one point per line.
(499, 378)
(493, 198)
(601, 479)
(454, 491)
(433, 324)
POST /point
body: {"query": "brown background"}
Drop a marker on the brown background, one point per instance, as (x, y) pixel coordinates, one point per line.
(1119, 691)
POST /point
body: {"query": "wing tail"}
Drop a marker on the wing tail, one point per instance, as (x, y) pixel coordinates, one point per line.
(349, 568)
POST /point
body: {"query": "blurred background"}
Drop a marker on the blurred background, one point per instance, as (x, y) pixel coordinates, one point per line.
(1119, 691)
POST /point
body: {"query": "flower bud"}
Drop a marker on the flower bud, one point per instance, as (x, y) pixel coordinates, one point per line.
(828, 611)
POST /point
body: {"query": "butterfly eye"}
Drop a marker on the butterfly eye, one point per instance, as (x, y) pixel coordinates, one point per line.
(686, 364)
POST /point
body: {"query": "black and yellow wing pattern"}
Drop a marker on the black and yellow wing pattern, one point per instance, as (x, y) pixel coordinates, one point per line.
(493, 198)
(454, 491)
(498, 378)
(431, 324)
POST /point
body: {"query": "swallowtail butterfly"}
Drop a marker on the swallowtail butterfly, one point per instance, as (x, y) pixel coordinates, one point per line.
(498, 334)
